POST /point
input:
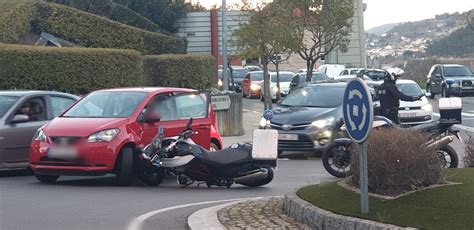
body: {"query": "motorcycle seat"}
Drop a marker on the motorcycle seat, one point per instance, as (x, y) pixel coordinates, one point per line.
(428, 127)
(225, 157)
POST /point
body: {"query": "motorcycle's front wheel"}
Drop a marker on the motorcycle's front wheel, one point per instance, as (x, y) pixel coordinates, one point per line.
(448, 157)
(337, 160)
(152, 176)
(261, 182)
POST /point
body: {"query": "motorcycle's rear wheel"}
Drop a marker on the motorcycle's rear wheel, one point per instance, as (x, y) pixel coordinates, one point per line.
(337, 160)
(448, 156)
(261, 182)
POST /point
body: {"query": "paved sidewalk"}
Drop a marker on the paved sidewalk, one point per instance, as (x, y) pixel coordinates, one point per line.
(264, 213)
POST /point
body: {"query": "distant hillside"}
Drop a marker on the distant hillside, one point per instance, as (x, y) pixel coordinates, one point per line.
(458, 44)
(433, 28)
(382, 29)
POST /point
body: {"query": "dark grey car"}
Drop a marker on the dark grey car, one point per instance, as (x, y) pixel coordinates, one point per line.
(21, 114)
(307, 118)
(440, 73)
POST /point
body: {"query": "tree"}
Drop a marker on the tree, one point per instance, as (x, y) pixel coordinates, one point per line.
(470, 19)
(165, 13)
(264, 36)
(321, 27)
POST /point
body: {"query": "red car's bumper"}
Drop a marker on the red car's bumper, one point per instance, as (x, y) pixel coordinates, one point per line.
(90, 159)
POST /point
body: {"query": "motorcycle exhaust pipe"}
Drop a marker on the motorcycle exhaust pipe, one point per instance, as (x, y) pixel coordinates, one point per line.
(258, 174)
(441, 142)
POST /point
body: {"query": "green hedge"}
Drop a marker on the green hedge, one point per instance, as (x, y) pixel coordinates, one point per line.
(112, 11)
(94, 31)
(16, 23)
(187, 71)
(74, 70)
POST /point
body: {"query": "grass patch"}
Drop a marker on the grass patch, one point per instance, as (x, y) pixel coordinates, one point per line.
(7, 5)
(447, 207)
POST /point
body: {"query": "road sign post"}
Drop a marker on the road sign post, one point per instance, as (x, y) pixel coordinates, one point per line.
(358, 115)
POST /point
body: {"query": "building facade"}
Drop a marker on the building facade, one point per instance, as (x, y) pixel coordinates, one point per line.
(203, 31)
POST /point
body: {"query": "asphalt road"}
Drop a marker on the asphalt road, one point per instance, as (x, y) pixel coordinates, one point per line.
(96, 203)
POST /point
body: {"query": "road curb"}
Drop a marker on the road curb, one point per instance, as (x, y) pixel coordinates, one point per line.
(207, 218)
(318, 218)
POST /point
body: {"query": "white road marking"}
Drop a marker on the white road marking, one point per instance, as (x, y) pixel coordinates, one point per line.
(137, 222)
(247, 110)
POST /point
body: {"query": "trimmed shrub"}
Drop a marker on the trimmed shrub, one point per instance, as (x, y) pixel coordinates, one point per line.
(74, 70)
(112, 11)
(186, 71)
(397, 162)
(94, 31)
(16, 23)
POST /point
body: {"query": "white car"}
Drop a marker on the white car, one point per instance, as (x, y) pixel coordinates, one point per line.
(350, 71)
(285, 80)
(413, 112)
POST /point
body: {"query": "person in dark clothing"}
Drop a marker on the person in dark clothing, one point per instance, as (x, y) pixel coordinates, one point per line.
(390, 96)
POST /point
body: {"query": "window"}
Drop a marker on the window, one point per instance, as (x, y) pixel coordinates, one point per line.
(107, 105)
(164, 105)
(59, 104)
(6, 102)
(34, 108)
(295, 80)
(191, 105)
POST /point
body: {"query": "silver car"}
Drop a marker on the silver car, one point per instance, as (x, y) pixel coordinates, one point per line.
(21, 114)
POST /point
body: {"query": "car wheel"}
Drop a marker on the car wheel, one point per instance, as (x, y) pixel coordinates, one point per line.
(46, 178)
(213, 147)
(261, 97)
(125, 167)
(428, 88)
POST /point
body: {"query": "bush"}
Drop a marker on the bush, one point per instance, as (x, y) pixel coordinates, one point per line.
(468, 159)
(16, 23)
(186, 71)
(397, 162)
(74, 70)
(94, 31)
(112, 11)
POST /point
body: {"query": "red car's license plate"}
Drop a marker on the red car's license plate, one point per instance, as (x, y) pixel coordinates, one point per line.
(62, 152)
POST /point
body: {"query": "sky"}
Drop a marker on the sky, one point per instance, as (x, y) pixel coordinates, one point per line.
(381, 12)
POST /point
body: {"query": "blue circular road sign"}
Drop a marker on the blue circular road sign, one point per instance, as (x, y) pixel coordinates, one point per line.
(357, 110)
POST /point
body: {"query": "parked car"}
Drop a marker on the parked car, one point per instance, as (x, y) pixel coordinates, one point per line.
(103, 132)
(253, 68)
(375, 74)
(21, 114)
(300, 79)
(350, 71)
(285, 80)
(412, 112)
(461, 75)
(307, 118)
(251, 84)
(347, 78)
(238, 73)
(331, 70)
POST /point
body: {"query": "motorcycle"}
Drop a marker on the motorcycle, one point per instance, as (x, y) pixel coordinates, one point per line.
(337, 156)
(244, 164)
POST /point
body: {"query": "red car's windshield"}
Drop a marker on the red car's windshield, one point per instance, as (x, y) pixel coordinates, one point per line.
(107, 105)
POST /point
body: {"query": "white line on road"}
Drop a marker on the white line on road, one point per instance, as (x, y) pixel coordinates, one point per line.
(136, 223)
(247, 110)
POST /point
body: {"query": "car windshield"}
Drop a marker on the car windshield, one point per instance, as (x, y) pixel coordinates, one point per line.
(257, 76)
(319, 77)
(284, 77)
(6, 102)
(315, 96)
(375, 75)
(410, 89)
(239, 73)
(107, 105)
(457, 71)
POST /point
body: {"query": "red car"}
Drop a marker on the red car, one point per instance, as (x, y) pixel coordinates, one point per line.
(102, 133)
(252, 83)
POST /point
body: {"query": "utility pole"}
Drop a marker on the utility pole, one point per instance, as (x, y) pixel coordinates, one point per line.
(225, 76)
